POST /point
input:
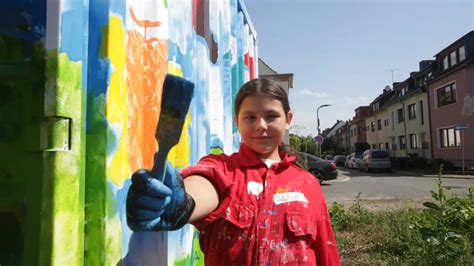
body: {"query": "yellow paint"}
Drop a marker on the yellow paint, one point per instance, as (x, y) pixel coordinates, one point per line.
(179, 155)
(113, 47)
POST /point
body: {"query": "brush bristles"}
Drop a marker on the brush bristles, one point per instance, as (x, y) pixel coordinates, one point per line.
(177, 95)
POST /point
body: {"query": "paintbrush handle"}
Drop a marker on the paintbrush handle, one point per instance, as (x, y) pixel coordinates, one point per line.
(159, 165)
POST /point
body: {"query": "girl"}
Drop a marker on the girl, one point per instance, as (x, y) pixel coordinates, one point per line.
(254, 207)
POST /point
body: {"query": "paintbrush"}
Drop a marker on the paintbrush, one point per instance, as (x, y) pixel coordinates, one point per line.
(175, 101)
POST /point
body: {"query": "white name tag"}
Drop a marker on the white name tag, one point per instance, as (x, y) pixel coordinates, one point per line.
(281, 198)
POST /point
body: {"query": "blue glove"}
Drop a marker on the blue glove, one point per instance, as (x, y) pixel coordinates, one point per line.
(156, 206)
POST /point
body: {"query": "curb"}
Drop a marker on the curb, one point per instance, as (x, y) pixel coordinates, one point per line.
(434, 176)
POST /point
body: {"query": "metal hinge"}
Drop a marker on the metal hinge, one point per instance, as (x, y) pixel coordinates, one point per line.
(56, 134)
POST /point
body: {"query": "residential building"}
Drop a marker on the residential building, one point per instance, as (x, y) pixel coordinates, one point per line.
(358, 129)
(408, 121)
(332, 131)
(343, 138)
(376, 132)
(451, 102)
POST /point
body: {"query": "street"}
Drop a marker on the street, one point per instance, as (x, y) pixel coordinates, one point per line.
(387, 187)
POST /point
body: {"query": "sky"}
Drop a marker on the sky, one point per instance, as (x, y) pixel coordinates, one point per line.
(342, 52)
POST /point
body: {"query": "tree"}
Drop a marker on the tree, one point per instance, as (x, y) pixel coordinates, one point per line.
(361, 146)
(329, 145)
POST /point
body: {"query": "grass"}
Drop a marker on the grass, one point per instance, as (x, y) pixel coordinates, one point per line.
(442, 232)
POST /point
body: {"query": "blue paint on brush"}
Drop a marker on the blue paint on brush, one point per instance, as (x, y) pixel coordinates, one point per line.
(175, 102)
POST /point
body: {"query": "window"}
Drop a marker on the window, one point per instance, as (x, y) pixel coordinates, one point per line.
(446, 95)
(385, 122)
(449, 138)
(422, 119)
(400, 115)
(387, 146)
(445, 63)
(379, 124)
(462, 53)
(414, 141)
(453, 58)
(380, 145)
(393, 121)
(401, 141)
(374, 146)
(412, 111)
(372, 126)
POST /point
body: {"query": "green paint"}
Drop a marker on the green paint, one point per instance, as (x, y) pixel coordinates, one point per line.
(62, 227)
(103, 226)
(21, 170)
(96, 181)
(216, 150)
(197, 254)
(238, 79)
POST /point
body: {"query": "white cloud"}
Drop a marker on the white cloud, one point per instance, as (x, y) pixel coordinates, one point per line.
(315, 94)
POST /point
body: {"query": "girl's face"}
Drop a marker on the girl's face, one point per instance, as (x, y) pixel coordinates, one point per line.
(262, 123)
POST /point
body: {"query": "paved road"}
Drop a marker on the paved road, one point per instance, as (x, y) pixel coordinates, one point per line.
(387, 186)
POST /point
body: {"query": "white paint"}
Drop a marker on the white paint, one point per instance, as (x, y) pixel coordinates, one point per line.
(286, 197)
(254, 188)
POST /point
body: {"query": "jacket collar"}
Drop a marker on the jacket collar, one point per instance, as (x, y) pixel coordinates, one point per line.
(247, 157)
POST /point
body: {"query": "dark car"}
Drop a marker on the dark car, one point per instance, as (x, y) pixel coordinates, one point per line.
(339, 159)
(321, 169)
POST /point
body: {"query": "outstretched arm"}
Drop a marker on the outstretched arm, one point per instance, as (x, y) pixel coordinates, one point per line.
(204, 195)
(153, 205)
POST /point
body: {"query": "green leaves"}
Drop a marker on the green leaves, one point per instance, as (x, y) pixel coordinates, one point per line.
(431, 205)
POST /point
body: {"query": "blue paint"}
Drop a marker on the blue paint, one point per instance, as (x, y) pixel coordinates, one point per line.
(72, 30)
(99, 68)
(23, 12)
(122, 197)
(118, 7)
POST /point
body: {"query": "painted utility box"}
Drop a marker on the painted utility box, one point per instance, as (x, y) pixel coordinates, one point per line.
(80, 97)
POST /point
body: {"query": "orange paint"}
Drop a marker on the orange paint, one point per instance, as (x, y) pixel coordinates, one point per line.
(146, 64)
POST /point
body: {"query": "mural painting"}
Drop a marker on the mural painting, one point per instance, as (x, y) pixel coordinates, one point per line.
(92, 75)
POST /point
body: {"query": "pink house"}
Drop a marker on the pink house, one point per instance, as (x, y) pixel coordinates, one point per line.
(451, 103)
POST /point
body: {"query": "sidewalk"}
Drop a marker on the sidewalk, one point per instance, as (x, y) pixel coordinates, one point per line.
(417, 172)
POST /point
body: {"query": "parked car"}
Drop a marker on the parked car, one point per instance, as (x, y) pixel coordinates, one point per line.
(339, 159)
(322, 169)
(376, 159)
(328, 157)
(353, 160)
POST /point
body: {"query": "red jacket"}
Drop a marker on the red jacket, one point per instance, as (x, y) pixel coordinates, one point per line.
(266, 216)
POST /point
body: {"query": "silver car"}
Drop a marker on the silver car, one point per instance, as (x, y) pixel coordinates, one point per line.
(376, 159)
(353, 160)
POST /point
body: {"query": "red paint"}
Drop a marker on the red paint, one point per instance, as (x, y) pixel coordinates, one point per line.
(248, 60)
(286, 224)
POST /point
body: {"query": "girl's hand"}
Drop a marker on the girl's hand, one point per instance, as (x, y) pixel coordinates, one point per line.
(156, 206)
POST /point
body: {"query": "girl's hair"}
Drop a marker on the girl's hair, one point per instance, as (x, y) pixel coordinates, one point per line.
(262, 87)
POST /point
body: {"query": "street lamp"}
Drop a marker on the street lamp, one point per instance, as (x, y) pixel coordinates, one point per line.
(319, 131)
(317, 115)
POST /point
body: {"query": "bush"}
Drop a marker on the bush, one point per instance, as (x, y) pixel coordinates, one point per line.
(442, 233)
(417, 162)
(436, 165)
(448, 228)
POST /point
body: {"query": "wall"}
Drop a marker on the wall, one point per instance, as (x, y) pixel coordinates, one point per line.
(95, 111)
(454, 114)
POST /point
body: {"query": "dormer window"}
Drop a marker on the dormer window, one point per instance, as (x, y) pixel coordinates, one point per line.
(462, 53)
(453, 58)
(445, 62)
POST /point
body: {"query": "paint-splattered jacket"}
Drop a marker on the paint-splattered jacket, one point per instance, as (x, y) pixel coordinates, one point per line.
(266, 216)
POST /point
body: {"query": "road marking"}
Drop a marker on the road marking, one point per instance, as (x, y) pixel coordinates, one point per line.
(342, 179)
